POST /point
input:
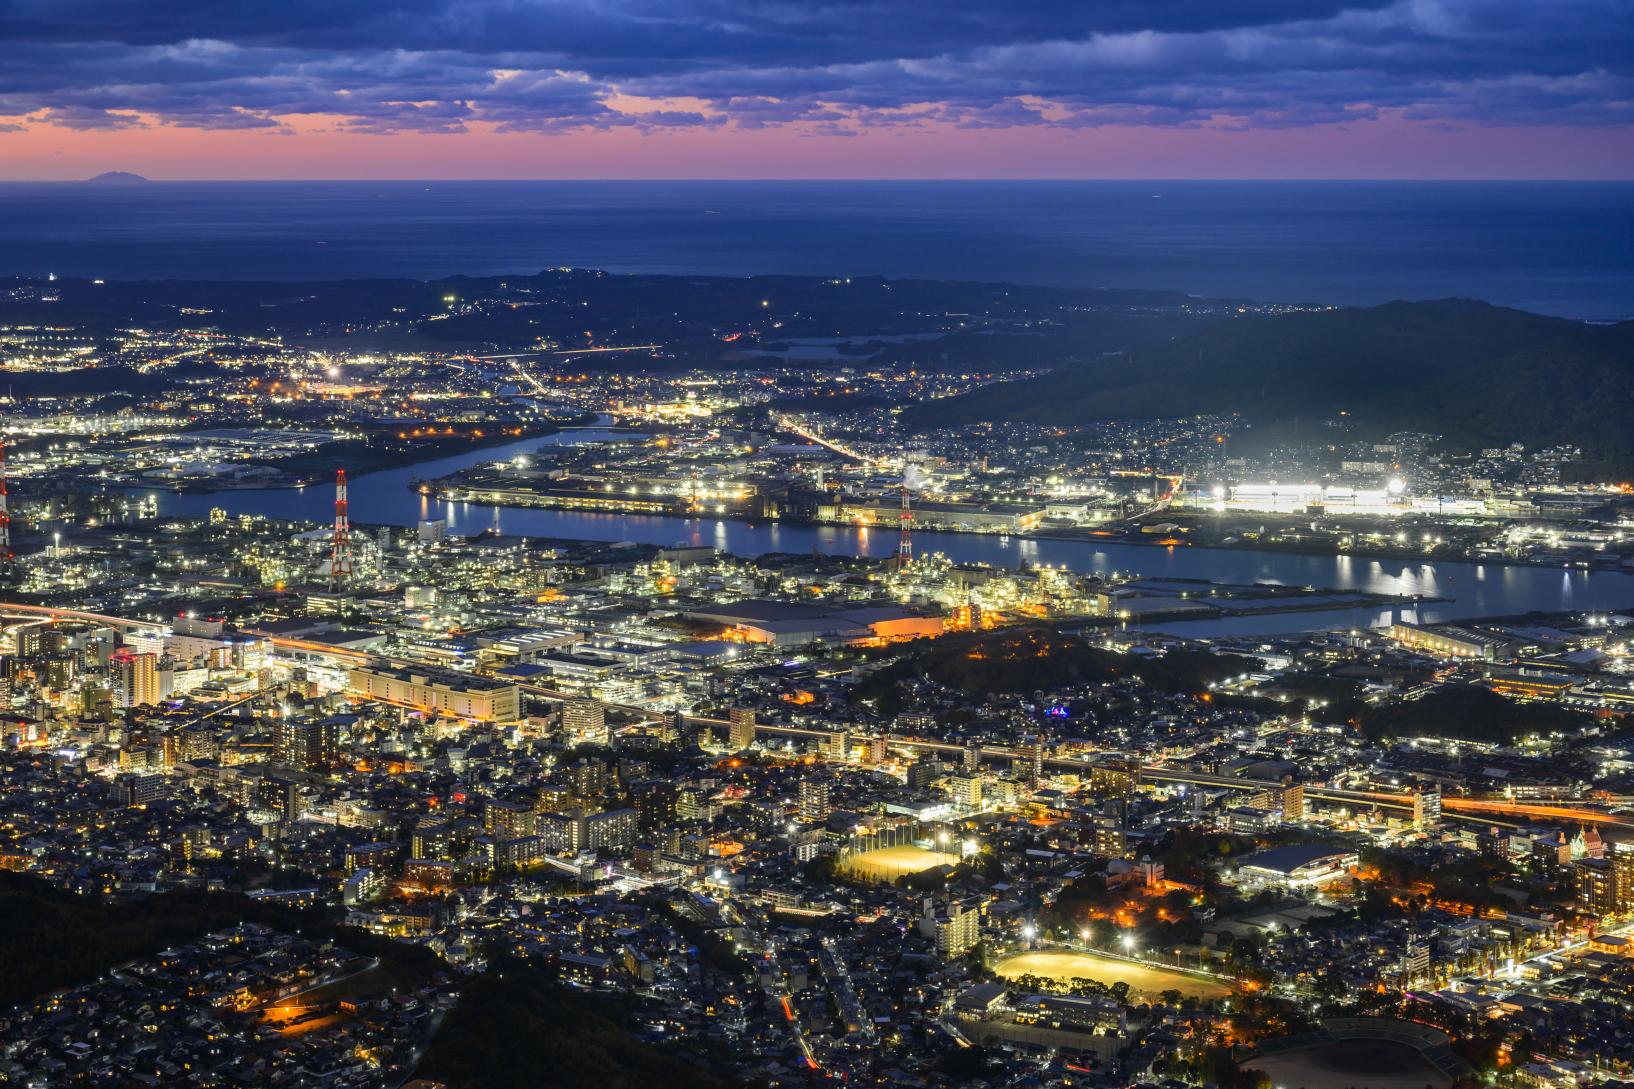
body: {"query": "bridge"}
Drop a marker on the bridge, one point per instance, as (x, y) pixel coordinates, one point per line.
(46, 614)
(790, 424)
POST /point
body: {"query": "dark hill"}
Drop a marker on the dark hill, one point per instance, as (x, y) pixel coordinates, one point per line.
(1478, 374)
(1471, 714)
(1035, 657)
(516, 1027)
(117, 176)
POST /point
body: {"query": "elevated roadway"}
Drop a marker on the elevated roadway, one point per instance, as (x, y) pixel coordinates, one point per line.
(1483, 810)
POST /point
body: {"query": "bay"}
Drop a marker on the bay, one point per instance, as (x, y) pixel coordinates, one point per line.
(1472, 590)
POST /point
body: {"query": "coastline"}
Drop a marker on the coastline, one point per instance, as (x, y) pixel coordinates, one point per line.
(373, 462)
(1088, 537)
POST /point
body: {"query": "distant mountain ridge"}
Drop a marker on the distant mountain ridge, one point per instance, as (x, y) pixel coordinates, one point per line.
(1480, 375)
(117, 176)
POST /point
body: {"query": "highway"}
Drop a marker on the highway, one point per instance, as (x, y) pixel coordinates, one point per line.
(789, 423)
(1456, 807)
(32, 612)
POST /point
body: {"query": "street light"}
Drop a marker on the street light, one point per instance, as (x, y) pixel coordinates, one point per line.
(1128, 941)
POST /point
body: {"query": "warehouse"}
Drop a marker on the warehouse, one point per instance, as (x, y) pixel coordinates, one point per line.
(785, 624)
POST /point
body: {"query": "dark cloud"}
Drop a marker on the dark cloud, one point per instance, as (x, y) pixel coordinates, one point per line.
(832, 66)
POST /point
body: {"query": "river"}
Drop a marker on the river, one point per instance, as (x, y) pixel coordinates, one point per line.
(1473, 589)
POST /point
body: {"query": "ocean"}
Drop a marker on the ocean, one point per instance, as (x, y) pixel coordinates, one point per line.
(1555, 248)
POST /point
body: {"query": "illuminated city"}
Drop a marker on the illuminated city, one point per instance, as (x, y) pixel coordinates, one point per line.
(748, 632)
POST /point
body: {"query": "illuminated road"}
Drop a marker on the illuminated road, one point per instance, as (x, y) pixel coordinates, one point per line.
(799, 1036)
(1472, 807)
(1459, 807)
(790, 424)
(1534, 810)
(29, 612)
(573, 351)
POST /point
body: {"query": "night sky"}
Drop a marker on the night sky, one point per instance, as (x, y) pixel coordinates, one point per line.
(817, 88)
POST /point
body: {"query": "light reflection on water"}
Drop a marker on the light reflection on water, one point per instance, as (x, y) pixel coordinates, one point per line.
(385, 497)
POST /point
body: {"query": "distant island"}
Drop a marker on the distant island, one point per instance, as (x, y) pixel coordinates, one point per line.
(117, 176)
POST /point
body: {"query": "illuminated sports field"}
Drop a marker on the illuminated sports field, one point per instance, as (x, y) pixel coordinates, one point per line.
(890, 863)
(1363, 1064)
(1065, 967)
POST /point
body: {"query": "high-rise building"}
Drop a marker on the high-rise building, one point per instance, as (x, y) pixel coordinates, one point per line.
(1595, 883)
(31, 640)
(742, 728)
(1622, 872)
(1030, 758)
(1116, 778)
(814, 807)
(654, 802)
(135, 679)
(1293, 803)
(140, 789)
(560, 831)
(673, 727)
(507, 820)
(924, 771)
(58, 672)
(1415, 964)
(955, 926)
(1427, 809)
(588, 779)
(695, 805)
(310, 744)
(971, 758)
(965, 790)
(612, 830)
(586, 720)
(432, 839)
(1109, 840)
